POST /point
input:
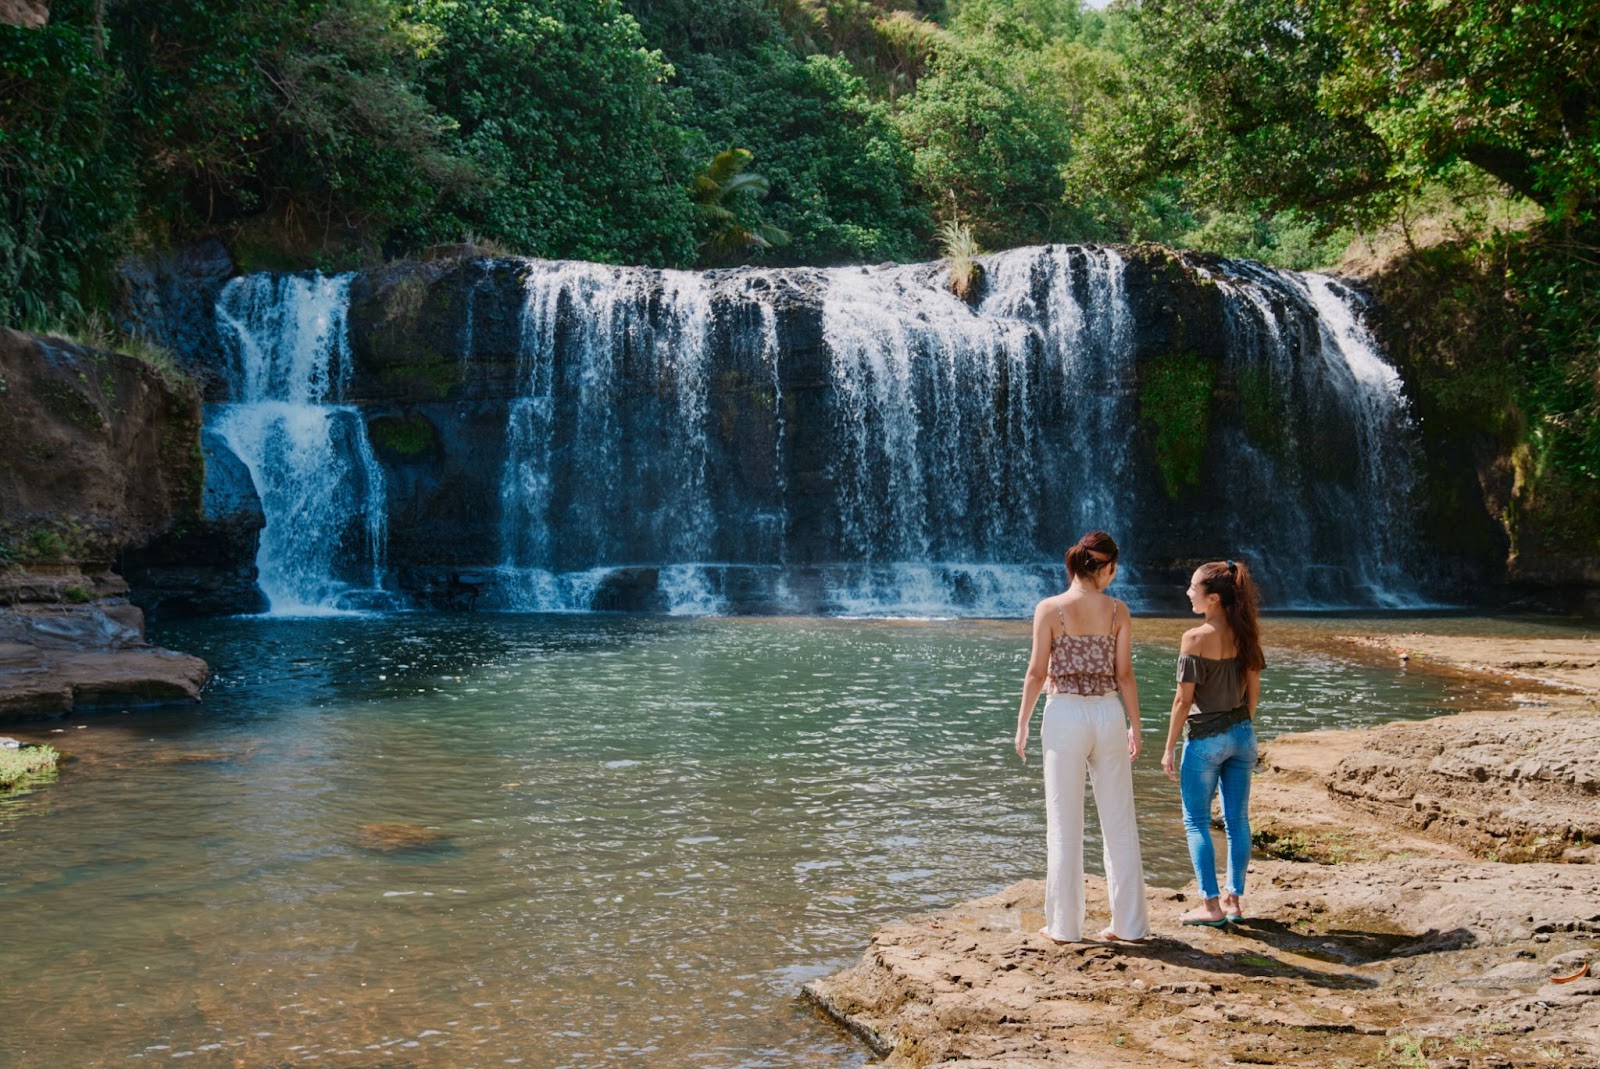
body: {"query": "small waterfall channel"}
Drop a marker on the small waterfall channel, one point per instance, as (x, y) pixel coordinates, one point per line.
(321, 487)
(850, 441)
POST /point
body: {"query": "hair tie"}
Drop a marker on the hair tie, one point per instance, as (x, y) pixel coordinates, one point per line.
(1232, 568)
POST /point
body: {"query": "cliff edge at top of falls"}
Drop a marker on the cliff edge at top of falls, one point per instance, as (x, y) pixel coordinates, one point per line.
(1395, 939)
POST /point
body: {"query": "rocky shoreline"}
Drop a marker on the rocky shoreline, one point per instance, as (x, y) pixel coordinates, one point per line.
(57, 657)
(1419, 889)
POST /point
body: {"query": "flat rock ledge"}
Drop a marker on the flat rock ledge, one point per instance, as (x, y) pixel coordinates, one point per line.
(62, 658)
(1424, 886)
(1405, 962)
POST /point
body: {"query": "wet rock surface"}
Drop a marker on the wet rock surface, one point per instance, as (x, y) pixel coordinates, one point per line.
(1390, 940)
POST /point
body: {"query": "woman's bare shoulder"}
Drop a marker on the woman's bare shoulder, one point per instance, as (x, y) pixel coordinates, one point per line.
(1194, 639)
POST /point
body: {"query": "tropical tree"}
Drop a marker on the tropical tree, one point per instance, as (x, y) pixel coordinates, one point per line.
(723, 193)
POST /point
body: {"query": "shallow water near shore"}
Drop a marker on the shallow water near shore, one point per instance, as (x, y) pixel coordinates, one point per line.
(557, 841)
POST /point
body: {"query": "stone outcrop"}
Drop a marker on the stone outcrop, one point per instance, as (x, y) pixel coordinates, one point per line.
(1505, 787)
(101, 457)
(1343, 965)
(102, 451)
(205, 566)
(61, 658)
(170, 299)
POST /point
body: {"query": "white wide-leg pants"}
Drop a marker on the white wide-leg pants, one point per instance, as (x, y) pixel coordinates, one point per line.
(1082, 734)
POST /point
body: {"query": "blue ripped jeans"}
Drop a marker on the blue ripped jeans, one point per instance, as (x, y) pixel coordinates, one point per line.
(1224, 759)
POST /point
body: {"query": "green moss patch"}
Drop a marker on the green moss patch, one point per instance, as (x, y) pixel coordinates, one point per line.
(26, 766)
(70, 405)
(422, 380)
(1175, 408)
(411, 436)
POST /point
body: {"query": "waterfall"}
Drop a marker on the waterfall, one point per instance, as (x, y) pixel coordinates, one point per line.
(1301, 357)
(321, 487)
(576, 462)
(851, 440)
(967, 438)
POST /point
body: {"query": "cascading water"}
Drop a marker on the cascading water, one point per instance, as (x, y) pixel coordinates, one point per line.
(1300, 357)
(321, 487)
(966, 440)
(603, 480)
(849, 440)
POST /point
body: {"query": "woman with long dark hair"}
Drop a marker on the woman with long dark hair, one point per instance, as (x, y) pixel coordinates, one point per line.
(1219, 684)
(1082, 641)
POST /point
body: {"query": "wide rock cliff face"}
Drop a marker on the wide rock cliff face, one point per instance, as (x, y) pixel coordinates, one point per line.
(534, 434)
(102, 456)
(102, 452)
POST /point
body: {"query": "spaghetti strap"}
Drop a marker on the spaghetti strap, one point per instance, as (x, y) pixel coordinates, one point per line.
(1114, 604)
(1063, 617)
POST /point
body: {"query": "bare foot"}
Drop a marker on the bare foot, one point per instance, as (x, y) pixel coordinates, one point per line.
(1233, 907)
(1059, 942)
(1109, 936)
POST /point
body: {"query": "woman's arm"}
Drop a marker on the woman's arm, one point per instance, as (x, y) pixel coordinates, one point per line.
(1252, 691)
(1033, 681)
(1127, 685)
(1182, 702)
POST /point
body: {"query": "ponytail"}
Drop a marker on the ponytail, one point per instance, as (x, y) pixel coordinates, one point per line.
(1231, 582)
(1089, 554)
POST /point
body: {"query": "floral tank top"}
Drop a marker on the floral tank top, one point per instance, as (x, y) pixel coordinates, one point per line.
(1083, 664)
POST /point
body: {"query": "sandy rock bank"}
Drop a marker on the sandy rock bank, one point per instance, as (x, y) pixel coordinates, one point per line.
(1348, 965)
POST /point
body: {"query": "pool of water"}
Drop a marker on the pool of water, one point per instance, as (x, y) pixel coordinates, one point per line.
(550, 841)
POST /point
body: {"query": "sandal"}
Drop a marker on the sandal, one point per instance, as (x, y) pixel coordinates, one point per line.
(1209, 922)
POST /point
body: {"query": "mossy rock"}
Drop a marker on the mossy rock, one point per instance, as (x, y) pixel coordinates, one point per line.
(1175, 410)
(410, 437)
(1263, 409)
(25, 766)
(422, 380)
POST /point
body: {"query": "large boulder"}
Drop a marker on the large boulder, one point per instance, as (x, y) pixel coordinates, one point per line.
(102, 451)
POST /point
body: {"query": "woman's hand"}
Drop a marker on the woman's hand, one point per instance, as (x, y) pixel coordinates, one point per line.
(1133, 743)
(1168, 766)
(1022, 742)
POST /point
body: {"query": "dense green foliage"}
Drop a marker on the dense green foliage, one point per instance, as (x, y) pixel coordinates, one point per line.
(1502, 336)
(331, 132)
(561, 108)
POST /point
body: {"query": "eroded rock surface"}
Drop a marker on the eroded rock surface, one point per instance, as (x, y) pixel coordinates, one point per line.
(58, 658)
(1390, 938)
(1509, 787)
(1345, 965)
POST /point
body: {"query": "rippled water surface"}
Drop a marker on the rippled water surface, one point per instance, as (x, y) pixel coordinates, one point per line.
(633, 838)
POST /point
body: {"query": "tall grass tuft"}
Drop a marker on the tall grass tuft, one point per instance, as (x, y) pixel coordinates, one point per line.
(961, 252)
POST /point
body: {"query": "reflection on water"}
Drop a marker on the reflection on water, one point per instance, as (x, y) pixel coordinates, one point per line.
(635, 836)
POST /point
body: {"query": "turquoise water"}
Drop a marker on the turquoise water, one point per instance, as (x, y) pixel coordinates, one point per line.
(640, 834)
